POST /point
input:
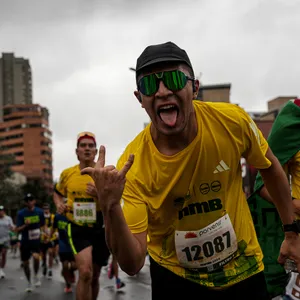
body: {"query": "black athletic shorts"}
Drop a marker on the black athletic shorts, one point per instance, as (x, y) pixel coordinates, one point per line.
(46, 246)
(81, 237)
(66, 256)
(13, 242)
(178, 288)
(28, 248)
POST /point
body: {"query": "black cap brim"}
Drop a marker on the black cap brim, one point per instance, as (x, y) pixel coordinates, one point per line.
(29, 199)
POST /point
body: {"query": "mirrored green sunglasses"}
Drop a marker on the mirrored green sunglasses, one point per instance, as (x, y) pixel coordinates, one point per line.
(173, 80)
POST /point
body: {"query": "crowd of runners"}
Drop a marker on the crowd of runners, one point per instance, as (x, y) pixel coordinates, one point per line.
(176, 194)
(45, 242)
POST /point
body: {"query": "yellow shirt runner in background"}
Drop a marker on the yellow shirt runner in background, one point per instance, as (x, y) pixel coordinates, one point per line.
(82, 208)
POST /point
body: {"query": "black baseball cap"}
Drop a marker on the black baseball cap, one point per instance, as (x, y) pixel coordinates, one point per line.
(166, 52)
(29, 197)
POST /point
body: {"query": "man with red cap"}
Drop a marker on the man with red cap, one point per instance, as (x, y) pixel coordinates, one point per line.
(86, 228)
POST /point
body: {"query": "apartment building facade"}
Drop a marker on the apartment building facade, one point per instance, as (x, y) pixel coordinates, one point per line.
(25, 134)
(15, 81)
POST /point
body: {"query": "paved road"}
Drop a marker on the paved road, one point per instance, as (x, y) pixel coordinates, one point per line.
(13, 286)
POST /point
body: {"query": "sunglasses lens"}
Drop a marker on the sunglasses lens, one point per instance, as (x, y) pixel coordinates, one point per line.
(175, 80)
(148, 85)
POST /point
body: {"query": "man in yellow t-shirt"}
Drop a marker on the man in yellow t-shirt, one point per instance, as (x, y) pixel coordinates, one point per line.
(86, 228)
(184, 189)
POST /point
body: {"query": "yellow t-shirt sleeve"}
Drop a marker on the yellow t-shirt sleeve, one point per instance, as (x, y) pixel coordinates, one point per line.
(134, 208)
(61, 185)
(255, 145)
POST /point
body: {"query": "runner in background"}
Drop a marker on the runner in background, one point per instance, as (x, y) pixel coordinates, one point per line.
(65, 252)
(47, 245)
(6, 225)
(284, 140)
(86, 228)
(30, 223)
(13, 243)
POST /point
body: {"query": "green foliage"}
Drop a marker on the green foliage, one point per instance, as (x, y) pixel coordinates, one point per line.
(6, 160)
(11, 193)
(37, 188)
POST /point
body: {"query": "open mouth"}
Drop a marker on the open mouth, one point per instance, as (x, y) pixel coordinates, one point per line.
(168, 114)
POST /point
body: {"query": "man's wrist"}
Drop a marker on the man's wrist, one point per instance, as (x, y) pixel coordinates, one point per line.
(294, 226)
(108, 209)
(291, 235)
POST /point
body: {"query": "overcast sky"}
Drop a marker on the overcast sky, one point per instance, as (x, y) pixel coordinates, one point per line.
(81, 50)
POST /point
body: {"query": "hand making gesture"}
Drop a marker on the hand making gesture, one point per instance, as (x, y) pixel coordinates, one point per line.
(108, 180)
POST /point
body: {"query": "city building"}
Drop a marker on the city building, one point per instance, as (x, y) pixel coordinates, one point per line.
(274, 106)
(25, 134)
(15, 81)
(214, 93)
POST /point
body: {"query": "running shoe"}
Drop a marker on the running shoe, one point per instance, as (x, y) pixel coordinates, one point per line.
(37, 282)
(120, 285)
(68, 290)
(50, 274)
(29, 288)
(2, 274)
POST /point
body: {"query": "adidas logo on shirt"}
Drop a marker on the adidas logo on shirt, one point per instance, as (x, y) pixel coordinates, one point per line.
(221, 167)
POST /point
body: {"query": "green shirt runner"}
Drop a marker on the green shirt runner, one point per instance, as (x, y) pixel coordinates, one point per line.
(284, 141)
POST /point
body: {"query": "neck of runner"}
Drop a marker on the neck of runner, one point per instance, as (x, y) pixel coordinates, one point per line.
(86, 164)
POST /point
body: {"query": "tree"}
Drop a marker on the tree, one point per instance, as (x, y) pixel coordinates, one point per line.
(9, 192)
(6, 160)
(38, 189)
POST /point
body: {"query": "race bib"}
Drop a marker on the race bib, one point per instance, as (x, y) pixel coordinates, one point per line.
(84, 212)
(209, 248)
(34, 234)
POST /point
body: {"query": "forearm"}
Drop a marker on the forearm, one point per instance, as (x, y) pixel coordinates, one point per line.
(20, 228)
(57, 199)
(122, 243)
(278, 188)
(265, 194)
